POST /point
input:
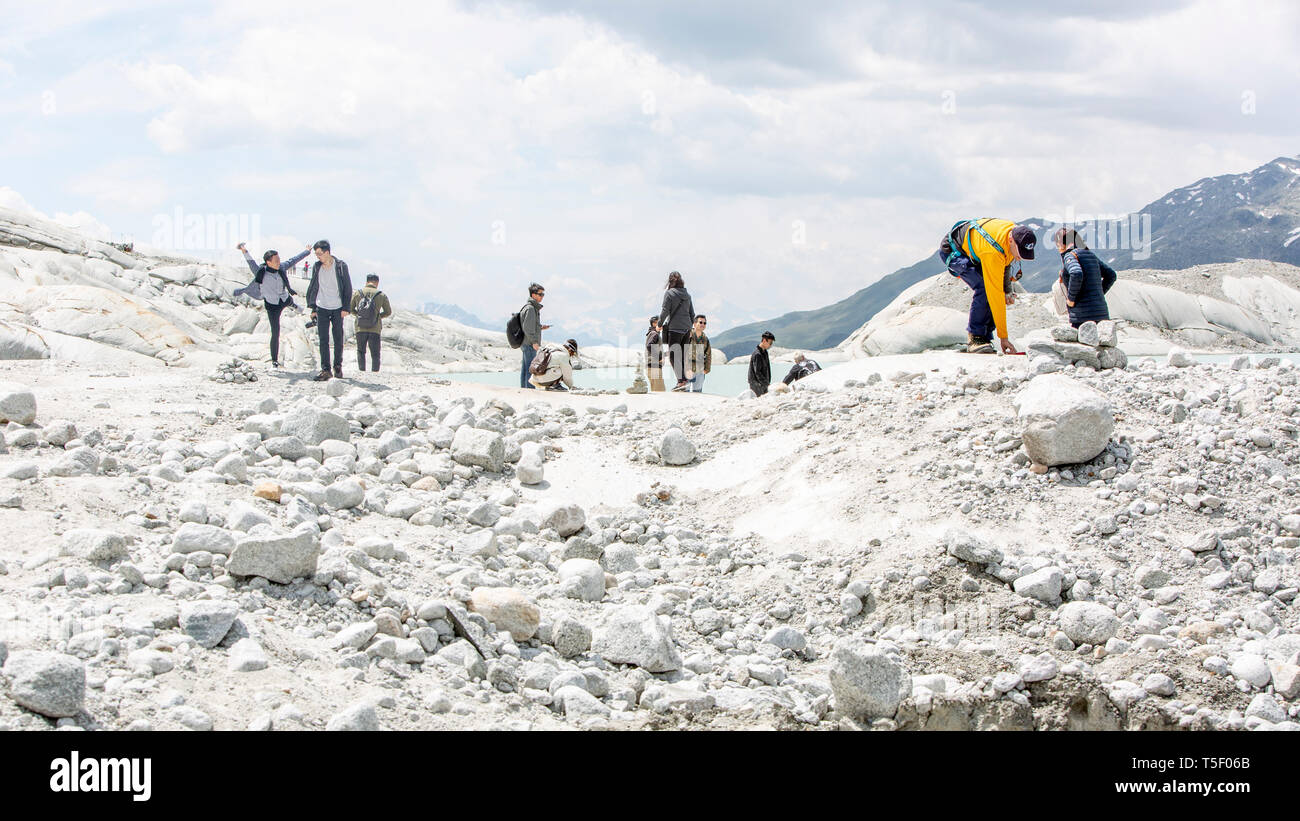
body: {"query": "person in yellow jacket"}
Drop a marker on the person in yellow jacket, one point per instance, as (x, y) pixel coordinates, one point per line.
(988, 248)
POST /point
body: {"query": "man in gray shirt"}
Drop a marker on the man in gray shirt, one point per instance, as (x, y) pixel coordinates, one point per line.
(329, 294)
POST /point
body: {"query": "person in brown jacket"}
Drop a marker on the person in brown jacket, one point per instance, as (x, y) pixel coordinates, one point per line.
(370, 307)
(699, 355)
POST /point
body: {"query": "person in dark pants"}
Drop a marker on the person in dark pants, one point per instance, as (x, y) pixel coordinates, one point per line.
(530, 317)
(1085, 277)
(370, 307)
(760, 367)
(329, 295)
(676, 317)
(983, 252)
(274, 290)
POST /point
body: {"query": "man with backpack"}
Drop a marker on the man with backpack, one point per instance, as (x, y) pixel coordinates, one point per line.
(552, 368)
(981, 253)
(370, 306)
(524, 330)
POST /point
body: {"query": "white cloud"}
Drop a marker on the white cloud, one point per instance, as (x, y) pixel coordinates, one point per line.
(606, 144)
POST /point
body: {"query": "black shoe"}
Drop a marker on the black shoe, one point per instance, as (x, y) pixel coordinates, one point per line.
(681, 386)
(338, 371)
(323, 376)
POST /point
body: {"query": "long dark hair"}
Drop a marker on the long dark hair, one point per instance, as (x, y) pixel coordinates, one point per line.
(675, 280)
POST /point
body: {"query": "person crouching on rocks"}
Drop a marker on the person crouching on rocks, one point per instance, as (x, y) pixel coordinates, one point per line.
(274, 290)
(803, 366)
(556, 369)
(1085, 279)
(981, 255)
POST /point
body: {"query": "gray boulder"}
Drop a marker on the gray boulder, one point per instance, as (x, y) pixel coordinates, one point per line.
(52, 684)
(565, 519)
(477, 447)
(207, 622)
(193, 536)
(17, 403)
(633, 634)
(675, 448)
(1063, 420)
(279, 559)
(360, 716)
(94, 545)
(582, 579)
(530, 470)
(866, 682)
(314, 425)
(1088, 622)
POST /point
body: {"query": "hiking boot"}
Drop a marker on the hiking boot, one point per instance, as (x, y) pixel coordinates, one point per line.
(978, 344)
(276, 364)
(338, 371)
(323, 376)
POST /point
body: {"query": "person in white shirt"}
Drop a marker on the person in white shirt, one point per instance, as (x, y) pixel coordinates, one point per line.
(559, 372)
(329, 297)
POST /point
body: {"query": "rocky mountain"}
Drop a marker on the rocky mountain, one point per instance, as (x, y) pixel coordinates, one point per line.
(1255, 215)
(457, 314)
(67, 296)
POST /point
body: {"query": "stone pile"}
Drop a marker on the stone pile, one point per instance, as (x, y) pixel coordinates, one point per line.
(1094, 344)
(236, 371)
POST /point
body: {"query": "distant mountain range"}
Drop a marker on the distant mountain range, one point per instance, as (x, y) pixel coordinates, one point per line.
(1255, 215)
(458, 314)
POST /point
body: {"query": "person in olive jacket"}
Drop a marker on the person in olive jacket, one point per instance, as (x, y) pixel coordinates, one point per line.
(760, 367)
(370, 306)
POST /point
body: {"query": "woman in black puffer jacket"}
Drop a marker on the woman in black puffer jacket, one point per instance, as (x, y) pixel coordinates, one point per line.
(1086, 279)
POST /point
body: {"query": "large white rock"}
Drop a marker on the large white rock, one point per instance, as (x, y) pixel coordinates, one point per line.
(17, 403)
(565, 518)
(866, 682)
(52, 684)
(482, 448)
(314, 425)
(1043, 585)
(1088, 622)
(633, 634)
(193, 536)
(675, 448)
(582, 579)
(530, 469)
(345, 494)
(1063, 421)
(94, 545)
(508, 610)
(279, 559)
(207, 621)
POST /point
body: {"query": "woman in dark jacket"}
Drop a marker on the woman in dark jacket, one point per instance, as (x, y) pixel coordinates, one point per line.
(677, 316)
(274, 290)
(1086, 279)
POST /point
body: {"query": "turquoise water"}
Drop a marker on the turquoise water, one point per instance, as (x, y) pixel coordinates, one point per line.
(724, 380)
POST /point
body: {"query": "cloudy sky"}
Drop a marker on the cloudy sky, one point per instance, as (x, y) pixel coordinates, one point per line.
(780, 157)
